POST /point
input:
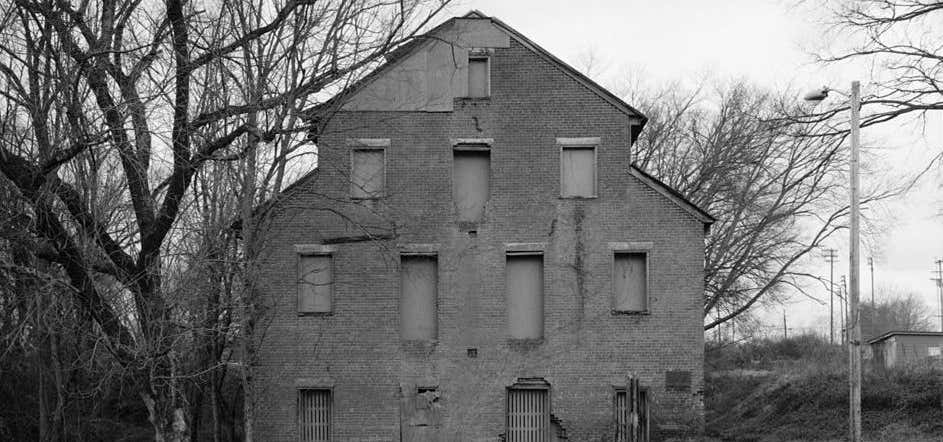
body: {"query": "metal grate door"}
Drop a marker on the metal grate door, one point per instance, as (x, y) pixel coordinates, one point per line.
(631, 407)
(622, 416)
(528, 415)
(314, 415)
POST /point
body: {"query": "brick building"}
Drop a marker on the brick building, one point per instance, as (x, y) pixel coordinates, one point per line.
(476, 259)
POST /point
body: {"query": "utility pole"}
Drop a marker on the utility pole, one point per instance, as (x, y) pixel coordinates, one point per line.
(843, 306)
(830, 257)
(939, 286)
(785, 333)
(871, 264)
(854, 350)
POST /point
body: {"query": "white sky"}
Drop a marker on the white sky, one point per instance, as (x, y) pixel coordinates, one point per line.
(766, 42)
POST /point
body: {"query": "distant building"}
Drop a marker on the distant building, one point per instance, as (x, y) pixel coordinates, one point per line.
(900, 348)
(534, 285)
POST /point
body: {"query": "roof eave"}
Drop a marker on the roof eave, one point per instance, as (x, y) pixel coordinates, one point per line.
(698, 213)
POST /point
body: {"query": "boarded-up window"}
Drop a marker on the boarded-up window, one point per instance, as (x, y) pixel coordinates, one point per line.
(314, 415)
(630, 282)
(315, 283)
(525, 296)
(367, 173)
(418, 298)
(578, 171)
(478, 81)
(471, 175)
(528, 415)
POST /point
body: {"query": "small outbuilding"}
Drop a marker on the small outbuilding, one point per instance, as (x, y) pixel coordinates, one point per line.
(900, 348)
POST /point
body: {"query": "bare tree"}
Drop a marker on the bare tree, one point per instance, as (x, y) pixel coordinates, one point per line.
(899, 310)
(774, 185)
(901, 39)
(143, 88)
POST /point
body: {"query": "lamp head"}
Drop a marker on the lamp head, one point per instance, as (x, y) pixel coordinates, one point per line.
(817, 95)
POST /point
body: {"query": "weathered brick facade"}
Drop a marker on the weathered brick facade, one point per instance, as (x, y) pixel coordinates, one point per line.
(586, 352)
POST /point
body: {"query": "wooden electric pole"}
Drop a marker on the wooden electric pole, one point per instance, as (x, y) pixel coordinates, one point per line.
(843, 309)
(939, 286)
(854, 349)
(785, 332)
(830, 257)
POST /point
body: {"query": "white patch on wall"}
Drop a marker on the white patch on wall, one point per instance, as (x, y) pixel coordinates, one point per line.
(433, 75)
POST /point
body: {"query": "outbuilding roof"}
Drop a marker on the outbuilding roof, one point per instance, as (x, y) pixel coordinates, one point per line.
(904, 333)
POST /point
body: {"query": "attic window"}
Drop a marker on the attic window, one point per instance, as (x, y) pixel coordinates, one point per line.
(479, 81)
(578, 167)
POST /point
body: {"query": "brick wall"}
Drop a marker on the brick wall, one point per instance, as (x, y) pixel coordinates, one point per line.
(586, 350)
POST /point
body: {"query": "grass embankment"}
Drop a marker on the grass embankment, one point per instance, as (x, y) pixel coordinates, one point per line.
(797, 390)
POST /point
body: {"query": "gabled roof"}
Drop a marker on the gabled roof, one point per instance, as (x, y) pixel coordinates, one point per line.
(565, 67)
(673, 195)
(892, 333)
(404, 50)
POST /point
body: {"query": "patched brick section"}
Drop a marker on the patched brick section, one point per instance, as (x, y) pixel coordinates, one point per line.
(585, 351)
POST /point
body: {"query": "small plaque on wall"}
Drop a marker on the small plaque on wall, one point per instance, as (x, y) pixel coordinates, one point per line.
(678, 380)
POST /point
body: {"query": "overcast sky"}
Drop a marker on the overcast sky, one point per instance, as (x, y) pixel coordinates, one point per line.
(768, 43)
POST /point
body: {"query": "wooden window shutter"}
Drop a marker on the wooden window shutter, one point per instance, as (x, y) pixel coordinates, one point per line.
(368, 173)
(525, 303)
(478, 81)
(630, 282)
(578, 172)
(418, 297)
(316, 283)
(471, 176)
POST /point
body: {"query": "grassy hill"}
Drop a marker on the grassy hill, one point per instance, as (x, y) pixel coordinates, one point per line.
(797, 390)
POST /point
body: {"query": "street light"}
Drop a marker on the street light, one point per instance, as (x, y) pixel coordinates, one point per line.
(854, 341)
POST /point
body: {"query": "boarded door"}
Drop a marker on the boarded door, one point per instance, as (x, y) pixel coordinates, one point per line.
(418, 298)
(528, 415)
(631, 413)
(525, 296)
(471, 176)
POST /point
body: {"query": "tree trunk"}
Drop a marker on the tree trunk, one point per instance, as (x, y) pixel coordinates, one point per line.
(167, 417)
